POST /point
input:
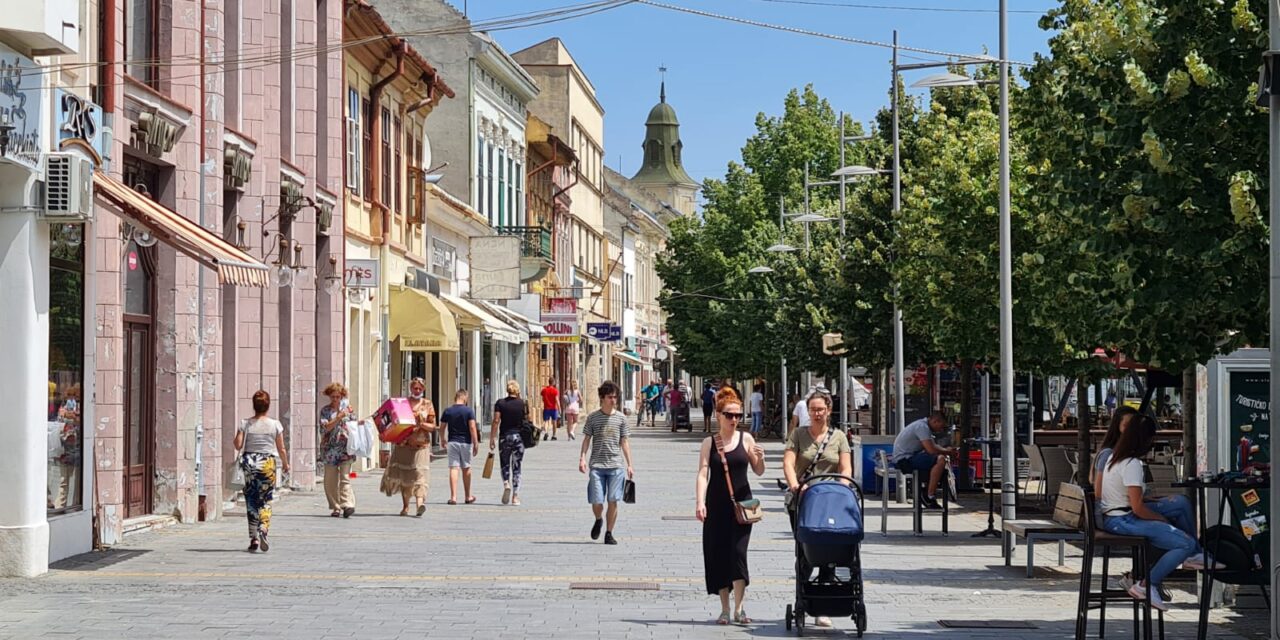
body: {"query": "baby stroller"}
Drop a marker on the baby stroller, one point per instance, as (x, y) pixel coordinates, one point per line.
(828, 534)
(680, 417)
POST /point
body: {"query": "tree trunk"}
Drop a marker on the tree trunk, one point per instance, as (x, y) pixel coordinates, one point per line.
(966, 421)
(1083, 444)
(877, 388)
(1189, 444)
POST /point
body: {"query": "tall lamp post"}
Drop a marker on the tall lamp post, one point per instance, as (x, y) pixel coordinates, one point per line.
(1273, 19)
(1008, 436)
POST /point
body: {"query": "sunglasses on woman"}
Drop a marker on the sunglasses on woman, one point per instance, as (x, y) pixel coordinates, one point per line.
(731, 416)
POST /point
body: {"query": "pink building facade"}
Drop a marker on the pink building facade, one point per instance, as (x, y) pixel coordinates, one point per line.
(227, 112)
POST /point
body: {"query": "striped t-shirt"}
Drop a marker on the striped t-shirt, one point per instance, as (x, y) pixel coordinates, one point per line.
(606, 432)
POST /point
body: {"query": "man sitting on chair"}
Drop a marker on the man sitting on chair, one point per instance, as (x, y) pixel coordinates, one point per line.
(915, 450)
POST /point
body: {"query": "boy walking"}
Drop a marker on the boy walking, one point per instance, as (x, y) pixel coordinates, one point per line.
(464, 442)
(606, 436)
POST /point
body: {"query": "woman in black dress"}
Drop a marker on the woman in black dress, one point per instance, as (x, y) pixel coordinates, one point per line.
(724, 541)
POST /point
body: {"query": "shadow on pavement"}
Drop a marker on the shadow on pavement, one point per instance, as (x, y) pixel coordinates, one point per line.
(95, 560)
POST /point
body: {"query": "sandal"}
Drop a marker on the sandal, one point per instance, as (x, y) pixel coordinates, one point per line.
(515, 501)
(422, 508)
(451, 501)
(723, 619)
(404, 511)
(335, 513)
(471, 500)
(741, 618)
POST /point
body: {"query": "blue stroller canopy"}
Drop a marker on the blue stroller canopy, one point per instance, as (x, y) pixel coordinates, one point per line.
(829, 513)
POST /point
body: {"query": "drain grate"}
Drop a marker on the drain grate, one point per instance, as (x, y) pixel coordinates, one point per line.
(614, 586)
(987, 624)
(679, 517)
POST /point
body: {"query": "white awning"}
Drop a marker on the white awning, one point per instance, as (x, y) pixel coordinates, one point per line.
(516, 319)
(472, 317)
(629, 358)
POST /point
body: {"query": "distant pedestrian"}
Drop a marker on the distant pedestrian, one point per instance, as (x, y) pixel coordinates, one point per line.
(727, 454)
(800, 414)
(676, 400)
(756, 404)
(508, 415)
(573, 407)
(606, 436)
(333, 448)
(550, 409)
(408, 471)
(663, 391)
(652, 396)
(260, 441)
(708, 405)
(464, 443)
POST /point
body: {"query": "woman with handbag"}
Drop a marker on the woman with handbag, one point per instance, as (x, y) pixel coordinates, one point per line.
(333, 452)
(260, 441)
(572, 408)
(509, 416)
(815, 450)
(725, 505)
(409, 468)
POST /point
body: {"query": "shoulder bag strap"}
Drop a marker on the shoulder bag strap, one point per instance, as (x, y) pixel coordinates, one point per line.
(821, 448)
(728, 481)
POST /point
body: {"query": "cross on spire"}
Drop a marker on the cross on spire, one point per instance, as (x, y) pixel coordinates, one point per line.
(662, 94)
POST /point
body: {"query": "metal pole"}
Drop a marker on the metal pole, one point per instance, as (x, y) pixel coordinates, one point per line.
(845, 397)
(1008, 439)
(782, 399)
(806, 205)
(899, 388)
(1274, 136)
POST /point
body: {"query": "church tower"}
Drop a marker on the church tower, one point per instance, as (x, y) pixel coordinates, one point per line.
(662, 175)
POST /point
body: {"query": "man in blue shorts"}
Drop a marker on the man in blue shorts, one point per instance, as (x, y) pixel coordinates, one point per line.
(606, 437)
(915, 450)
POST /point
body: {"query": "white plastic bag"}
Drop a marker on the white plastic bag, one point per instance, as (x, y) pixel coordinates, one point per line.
(237, 476)
(354, 435)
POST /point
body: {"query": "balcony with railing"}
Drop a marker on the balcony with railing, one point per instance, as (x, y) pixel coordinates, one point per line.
(536, 253)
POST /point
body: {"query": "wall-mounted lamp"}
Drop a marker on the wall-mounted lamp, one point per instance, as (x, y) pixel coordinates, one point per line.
(236, 237)
(286, 266)
(332, 278)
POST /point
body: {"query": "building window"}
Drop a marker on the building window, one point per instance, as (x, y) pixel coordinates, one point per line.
(481, 205)
(397, 193)
(521, 209)
(66, 369)
(502, 187)
(366, 119)
(386, 158)
(354, 138)
(488, 181)
(512, 206)
(141, 40)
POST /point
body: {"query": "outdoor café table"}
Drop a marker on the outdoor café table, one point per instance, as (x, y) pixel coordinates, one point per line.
(987, 484)
(1226, 487)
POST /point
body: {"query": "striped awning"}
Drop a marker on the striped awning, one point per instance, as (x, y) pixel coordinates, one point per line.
(204, 246)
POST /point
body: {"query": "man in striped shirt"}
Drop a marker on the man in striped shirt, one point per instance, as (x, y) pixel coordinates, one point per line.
(606, 437)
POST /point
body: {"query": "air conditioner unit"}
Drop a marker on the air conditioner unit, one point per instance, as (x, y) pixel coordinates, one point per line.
(68, 187)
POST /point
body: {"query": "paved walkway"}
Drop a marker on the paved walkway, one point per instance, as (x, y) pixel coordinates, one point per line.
(485, 571)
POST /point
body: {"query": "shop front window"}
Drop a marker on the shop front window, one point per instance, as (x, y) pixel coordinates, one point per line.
(66, 369)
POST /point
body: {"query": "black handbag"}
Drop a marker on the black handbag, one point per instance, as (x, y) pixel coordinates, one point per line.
(629, 491)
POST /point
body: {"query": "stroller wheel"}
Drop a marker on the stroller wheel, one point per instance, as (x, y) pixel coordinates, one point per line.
(788, 618)
(800, 620)
(860, 617)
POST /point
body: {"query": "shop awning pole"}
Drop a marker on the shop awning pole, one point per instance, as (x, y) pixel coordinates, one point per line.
(1273, 134)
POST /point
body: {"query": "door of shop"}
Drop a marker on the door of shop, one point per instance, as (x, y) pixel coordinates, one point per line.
(139, 429)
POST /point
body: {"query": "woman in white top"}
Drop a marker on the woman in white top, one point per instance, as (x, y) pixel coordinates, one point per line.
(1126, 513)
(261, 443)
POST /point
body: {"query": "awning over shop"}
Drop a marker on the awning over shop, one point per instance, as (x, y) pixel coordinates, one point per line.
(629, 358)
(516, 319)
(421, 321)
(472, 316)
(204, 246)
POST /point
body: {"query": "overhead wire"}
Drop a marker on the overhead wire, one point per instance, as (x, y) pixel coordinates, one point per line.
(889, 7)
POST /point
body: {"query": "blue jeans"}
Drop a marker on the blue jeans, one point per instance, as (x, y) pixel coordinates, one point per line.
(755, 422)
(1178, 544)
(605, 485)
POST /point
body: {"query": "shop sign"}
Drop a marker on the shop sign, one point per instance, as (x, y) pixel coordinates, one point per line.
(361, 273)
(20, 94)
(1249, 415)
(560, 318)
(604, 332)
(79, 124)
(495, 267)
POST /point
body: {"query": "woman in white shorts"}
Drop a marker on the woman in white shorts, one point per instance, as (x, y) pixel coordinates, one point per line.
(572, 407)
(464, 442)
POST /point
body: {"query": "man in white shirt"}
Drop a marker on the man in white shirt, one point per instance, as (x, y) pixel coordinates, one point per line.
(915, 450)
(800, 415)
(757, 409)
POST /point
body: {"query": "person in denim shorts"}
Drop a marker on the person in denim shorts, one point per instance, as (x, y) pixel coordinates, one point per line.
(606, 438)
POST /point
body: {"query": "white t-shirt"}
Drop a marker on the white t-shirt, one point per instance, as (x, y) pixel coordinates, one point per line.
(802, 412)
(1116, 480)
(757, 400)
(260, 435)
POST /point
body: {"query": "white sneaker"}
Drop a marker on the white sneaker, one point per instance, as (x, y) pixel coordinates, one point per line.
(1199, 562)
(1138, 592)
(1125, 582)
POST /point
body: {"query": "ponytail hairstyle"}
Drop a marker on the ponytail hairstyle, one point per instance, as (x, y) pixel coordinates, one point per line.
(725, 396)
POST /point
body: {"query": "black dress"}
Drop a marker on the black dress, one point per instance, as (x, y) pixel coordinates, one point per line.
(724, 541)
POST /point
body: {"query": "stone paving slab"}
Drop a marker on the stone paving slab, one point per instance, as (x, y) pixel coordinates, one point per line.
(487, 570)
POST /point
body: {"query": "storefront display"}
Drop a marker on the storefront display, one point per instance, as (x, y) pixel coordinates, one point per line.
(65, 490)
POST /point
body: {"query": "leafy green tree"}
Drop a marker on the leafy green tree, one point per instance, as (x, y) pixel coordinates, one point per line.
(1146, 153)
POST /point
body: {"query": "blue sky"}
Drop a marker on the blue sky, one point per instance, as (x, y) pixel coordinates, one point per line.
(720, 74)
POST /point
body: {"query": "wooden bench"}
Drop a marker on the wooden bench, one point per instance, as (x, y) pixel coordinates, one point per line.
(1068, 514)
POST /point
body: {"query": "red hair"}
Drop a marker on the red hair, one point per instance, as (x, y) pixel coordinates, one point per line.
(727, 395)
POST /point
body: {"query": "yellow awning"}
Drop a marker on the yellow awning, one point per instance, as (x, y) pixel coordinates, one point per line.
(421, 321)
